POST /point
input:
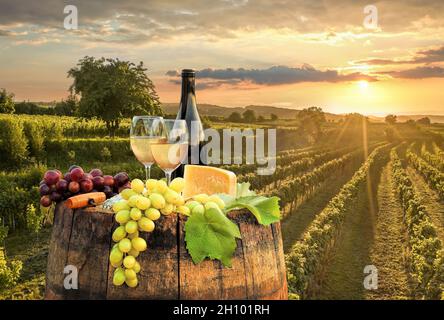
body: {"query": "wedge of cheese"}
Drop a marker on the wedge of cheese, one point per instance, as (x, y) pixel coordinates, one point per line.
(209, 180)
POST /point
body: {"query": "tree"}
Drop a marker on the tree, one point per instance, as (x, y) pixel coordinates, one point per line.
(6, 102)
(273, 117)
(249, 116)
(66, 107)
(235, 117)
(112, 89)
(424, 121)
(260, 119)
(390, 119)
(311, 120)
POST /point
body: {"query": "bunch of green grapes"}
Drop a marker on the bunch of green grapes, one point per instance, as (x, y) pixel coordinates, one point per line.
(201, 202)
(140, 206)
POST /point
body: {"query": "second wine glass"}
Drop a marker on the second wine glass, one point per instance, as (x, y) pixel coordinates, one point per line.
(145, 130)
(172, 150)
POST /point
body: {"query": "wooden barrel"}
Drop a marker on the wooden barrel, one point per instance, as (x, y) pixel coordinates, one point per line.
(82, 238)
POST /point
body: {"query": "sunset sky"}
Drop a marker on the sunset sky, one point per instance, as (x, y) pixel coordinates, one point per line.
(283, 53)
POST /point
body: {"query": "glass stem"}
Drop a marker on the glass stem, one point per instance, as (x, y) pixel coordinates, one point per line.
(147, 171)
(168, 176)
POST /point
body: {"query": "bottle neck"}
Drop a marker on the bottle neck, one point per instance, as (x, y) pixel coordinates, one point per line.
(188, 87)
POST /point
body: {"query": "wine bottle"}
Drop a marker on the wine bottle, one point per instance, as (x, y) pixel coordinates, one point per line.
(188, 111)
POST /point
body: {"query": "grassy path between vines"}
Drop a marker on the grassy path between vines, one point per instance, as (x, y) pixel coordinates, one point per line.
(389, 244)
(372, 234)
(429, 198)
(294, 226)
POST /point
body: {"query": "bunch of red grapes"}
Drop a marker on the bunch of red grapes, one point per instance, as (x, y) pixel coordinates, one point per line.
(56, 187)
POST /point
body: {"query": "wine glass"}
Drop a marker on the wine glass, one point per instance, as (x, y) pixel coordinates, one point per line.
(172, 150)
(144, 131)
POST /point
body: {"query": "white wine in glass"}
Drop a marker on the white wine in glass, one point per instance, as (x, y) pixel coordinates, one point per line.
(173, 150)
(145, 130)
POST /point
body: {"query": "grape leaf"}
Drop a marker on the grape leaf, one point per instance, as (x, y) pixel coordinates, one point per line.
(266, 210)
(211, 234)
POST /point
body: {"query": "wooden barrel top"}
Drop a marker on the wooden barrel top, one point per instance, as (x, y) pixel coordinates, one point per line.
(82, 238)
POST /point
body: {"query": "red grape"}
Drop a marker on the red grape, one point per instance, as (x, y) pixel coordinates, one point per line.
(96, 172)
(86, 185)
(108, 181)
(74, 187)
(108, 191)
(55, 196)
(62, 186)
(45, 201)
(121, 179)
(99, 182)
(125, 186)
(77, 174)
(67, 177)
(51, 177)
(87, 176)
(73, 167)
(44, 189)
(59, 173)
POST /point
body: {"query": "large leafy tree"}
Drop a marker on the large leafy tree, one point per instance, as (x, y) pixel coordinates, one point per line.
(311, 120)
(6, 101)
(111, 90)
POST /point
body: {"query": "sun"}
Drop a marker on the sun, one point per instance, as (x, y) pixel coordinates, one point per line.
(363, 85)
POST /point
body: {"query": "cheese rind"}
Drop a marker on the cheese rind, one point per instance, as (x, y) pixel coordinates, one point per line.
(209, 180)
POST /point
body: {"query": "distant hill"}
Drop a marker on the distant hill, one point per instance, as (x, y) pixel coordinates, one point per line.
(283, 113)
(265, 111)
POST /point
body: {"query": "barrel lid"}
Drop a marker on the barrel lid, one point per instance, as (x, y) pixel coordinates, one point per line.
(188, 72)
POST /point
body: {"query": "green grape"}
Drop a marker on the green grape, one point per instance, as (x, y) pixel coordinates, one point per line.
(135, 214)
(129, 262)
(132, 283)
(152, 214)
(139, 244)
(146, 224)
(123, 216)
(133, 235)
(136, 267)
(168, 209)
(119, 277)
(218, 200)
(143, 203)
(211, 204)
(184, 210)
(121, 205)
(133, 252)
(127, 193)
(130, 274)
(199, 209)
(115, 256)
(191, 204)
(137, 185)
(151, 184)
(161, 186)
(202, 198)
(133, 200)
(131, 226)
(119, 234)
(172, 196)
(157, 201)
(117, 264)
(178, 184)
(125, 245)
